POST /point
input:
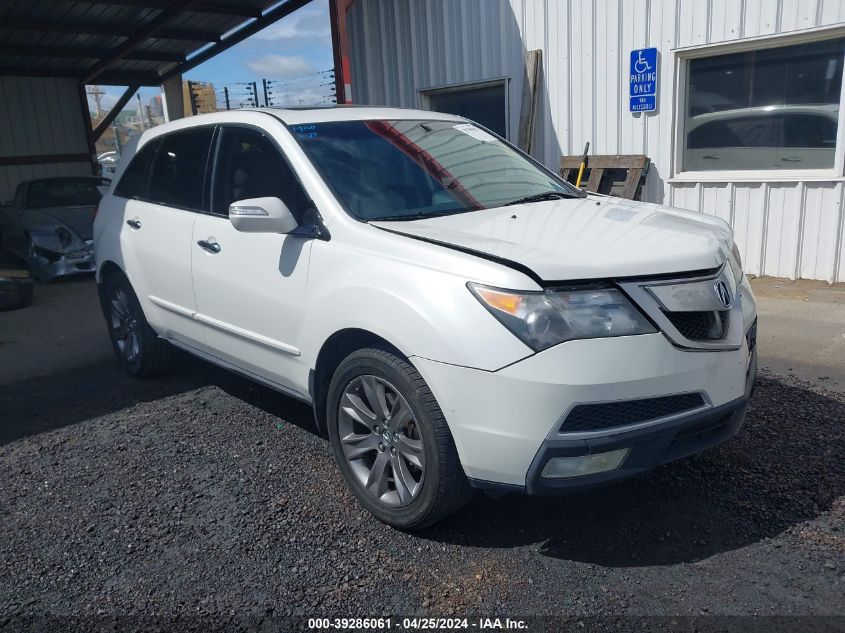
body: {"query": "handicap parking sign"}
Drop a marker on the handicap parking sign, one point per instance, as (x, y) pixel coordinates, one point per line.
(643, 80)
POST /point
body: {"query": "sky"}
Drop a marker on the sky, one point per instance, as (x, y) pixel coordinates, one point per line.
(291, 52)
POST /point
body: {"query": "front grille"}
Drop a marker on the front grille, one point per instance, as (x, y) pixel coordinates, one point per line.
(701, 326)
(608, 415)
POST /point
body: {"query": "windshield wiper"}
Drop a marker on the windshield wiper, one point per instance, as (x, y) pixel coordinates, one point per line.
(422, 215)
(542, 197)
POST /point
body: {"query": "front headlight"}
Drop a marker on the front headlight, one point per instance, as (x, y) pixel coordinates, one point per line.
(64, 236)
(543, 319)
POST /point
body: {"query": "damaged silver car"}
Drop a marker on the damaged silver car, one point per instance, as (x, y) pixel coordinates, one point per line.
(50, 224)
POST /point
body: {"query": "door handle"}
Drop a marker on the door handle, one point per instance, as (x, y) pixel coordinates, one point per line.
(210, 246)
(791, 159)
(135, 223)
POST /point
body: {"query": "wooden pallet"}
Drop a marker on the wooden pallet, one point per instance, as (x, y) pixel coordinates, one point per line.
(615, 175)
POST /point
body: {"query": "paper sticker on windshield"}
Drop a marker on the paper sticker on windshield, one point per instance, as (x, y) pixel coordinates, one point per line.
(474, 132)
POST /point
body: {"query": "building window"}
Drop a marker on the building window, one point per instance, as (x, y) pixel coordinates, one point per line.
(772, 108)
(483, 103)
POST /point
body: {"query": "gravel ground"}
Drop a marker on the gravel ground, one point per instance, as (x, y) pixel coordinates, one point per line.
(200, 498)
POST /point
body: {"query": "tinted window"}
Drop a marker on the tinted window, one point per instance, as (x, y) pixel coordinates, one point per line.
(178, 172)
(750, 131)
(133, 183)
(63, 192)
(484, 105)
(249, 165)
(770, 108)
(809, 130)
(397, 169)
(20, 193)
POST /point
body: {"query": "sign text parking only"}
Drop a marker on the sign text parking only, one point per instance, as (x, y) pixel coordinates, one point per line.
(643, 80)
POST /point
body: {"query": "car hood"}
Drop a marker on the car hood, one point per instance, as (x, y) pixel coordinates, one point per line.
(585, 238)
(80, 220)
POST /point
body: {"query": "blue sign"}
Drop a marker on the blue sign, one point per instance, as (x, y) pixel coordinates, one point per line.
(643, 80)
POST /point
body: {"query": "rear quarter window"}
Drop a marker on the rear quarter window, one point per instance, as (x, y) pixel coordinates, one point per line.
(133, 183)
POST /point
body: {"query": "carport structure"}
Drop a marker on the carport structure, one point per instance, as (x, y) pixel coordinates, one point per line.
(50, 49)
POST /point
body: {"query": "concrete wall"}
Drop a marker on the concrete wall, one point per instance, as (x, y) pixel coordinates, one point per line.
(40, 115)
(791, 227)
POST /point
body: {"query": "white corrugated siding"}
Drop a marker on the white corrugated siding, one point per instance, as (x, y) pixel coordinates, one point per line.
(399, 47)
(40, 115)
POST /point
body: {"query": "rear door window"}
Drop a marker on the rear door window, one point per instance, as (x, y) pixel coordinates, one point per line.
(178, 171)
(809, 131)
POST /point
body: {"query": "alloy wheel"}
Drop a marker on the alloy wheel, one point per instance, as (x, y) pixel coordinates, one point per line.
(124, 326)
(381, 440)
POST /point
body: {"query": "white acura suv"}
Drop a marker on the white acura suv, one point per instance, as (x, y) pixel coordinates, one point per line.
(459, 317)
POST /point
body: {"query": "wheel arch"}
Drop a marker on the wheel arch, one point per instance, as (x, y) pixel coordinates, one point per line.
(335, 348)
(107, 269)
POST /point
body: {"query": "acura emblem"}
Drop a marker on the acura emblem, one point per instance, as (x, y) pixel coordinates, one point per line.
(723, 293)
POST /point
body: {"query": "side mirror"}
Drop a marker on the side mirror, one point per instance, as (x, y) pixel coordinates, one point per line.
(261, 215)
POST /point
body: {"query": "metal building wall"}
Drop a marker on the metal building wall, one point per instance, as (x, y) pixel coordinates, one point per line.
(399, 47)
(40, 116)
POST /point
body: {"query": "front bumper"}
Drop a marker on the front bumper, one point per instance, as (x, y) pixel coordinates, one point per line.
(506, 424)
(649, 447)
(51, 264)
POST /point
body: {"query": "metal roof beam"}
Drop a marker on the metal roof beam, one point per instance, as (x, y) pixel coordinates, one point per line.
(143, 33)
(113, 30)
(107, 78)
(86, 53)
(236, 37)
(222, 8)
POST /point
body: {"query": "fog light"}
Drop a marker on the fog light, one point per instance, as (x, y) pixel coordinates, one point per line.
(559, 467)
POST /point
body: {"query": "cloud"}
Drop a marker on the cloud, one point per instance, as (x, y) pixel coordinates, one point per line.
(308, 24)
(281, 66)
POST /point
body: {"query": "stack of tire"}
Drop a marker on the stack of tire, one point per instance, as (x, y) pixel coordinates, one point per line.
(16, 288)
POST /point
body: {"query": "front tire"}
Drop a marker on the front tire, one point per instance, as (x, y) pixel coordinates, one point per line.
(138, 348)
(391, 441)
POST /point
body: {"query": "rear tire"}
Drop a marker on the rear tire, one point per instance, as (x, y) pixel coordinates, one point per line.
(138, 348)
(391, 441)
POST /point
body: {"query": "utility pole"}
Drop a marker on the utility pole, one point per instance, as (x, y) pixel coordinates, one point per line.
(266, 94)
(97, 93)
(140, 112)
(255, 94)
(117, 146)
(226, 95)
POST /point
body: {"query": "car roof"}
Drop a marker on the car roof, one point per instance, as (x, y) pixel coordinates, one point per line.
(822, 109)
(299, 116)
(295, 116)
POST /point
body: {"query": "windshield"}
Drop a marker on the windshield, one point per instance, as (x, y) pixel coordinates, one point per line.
(64, 192)
(414, 169)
